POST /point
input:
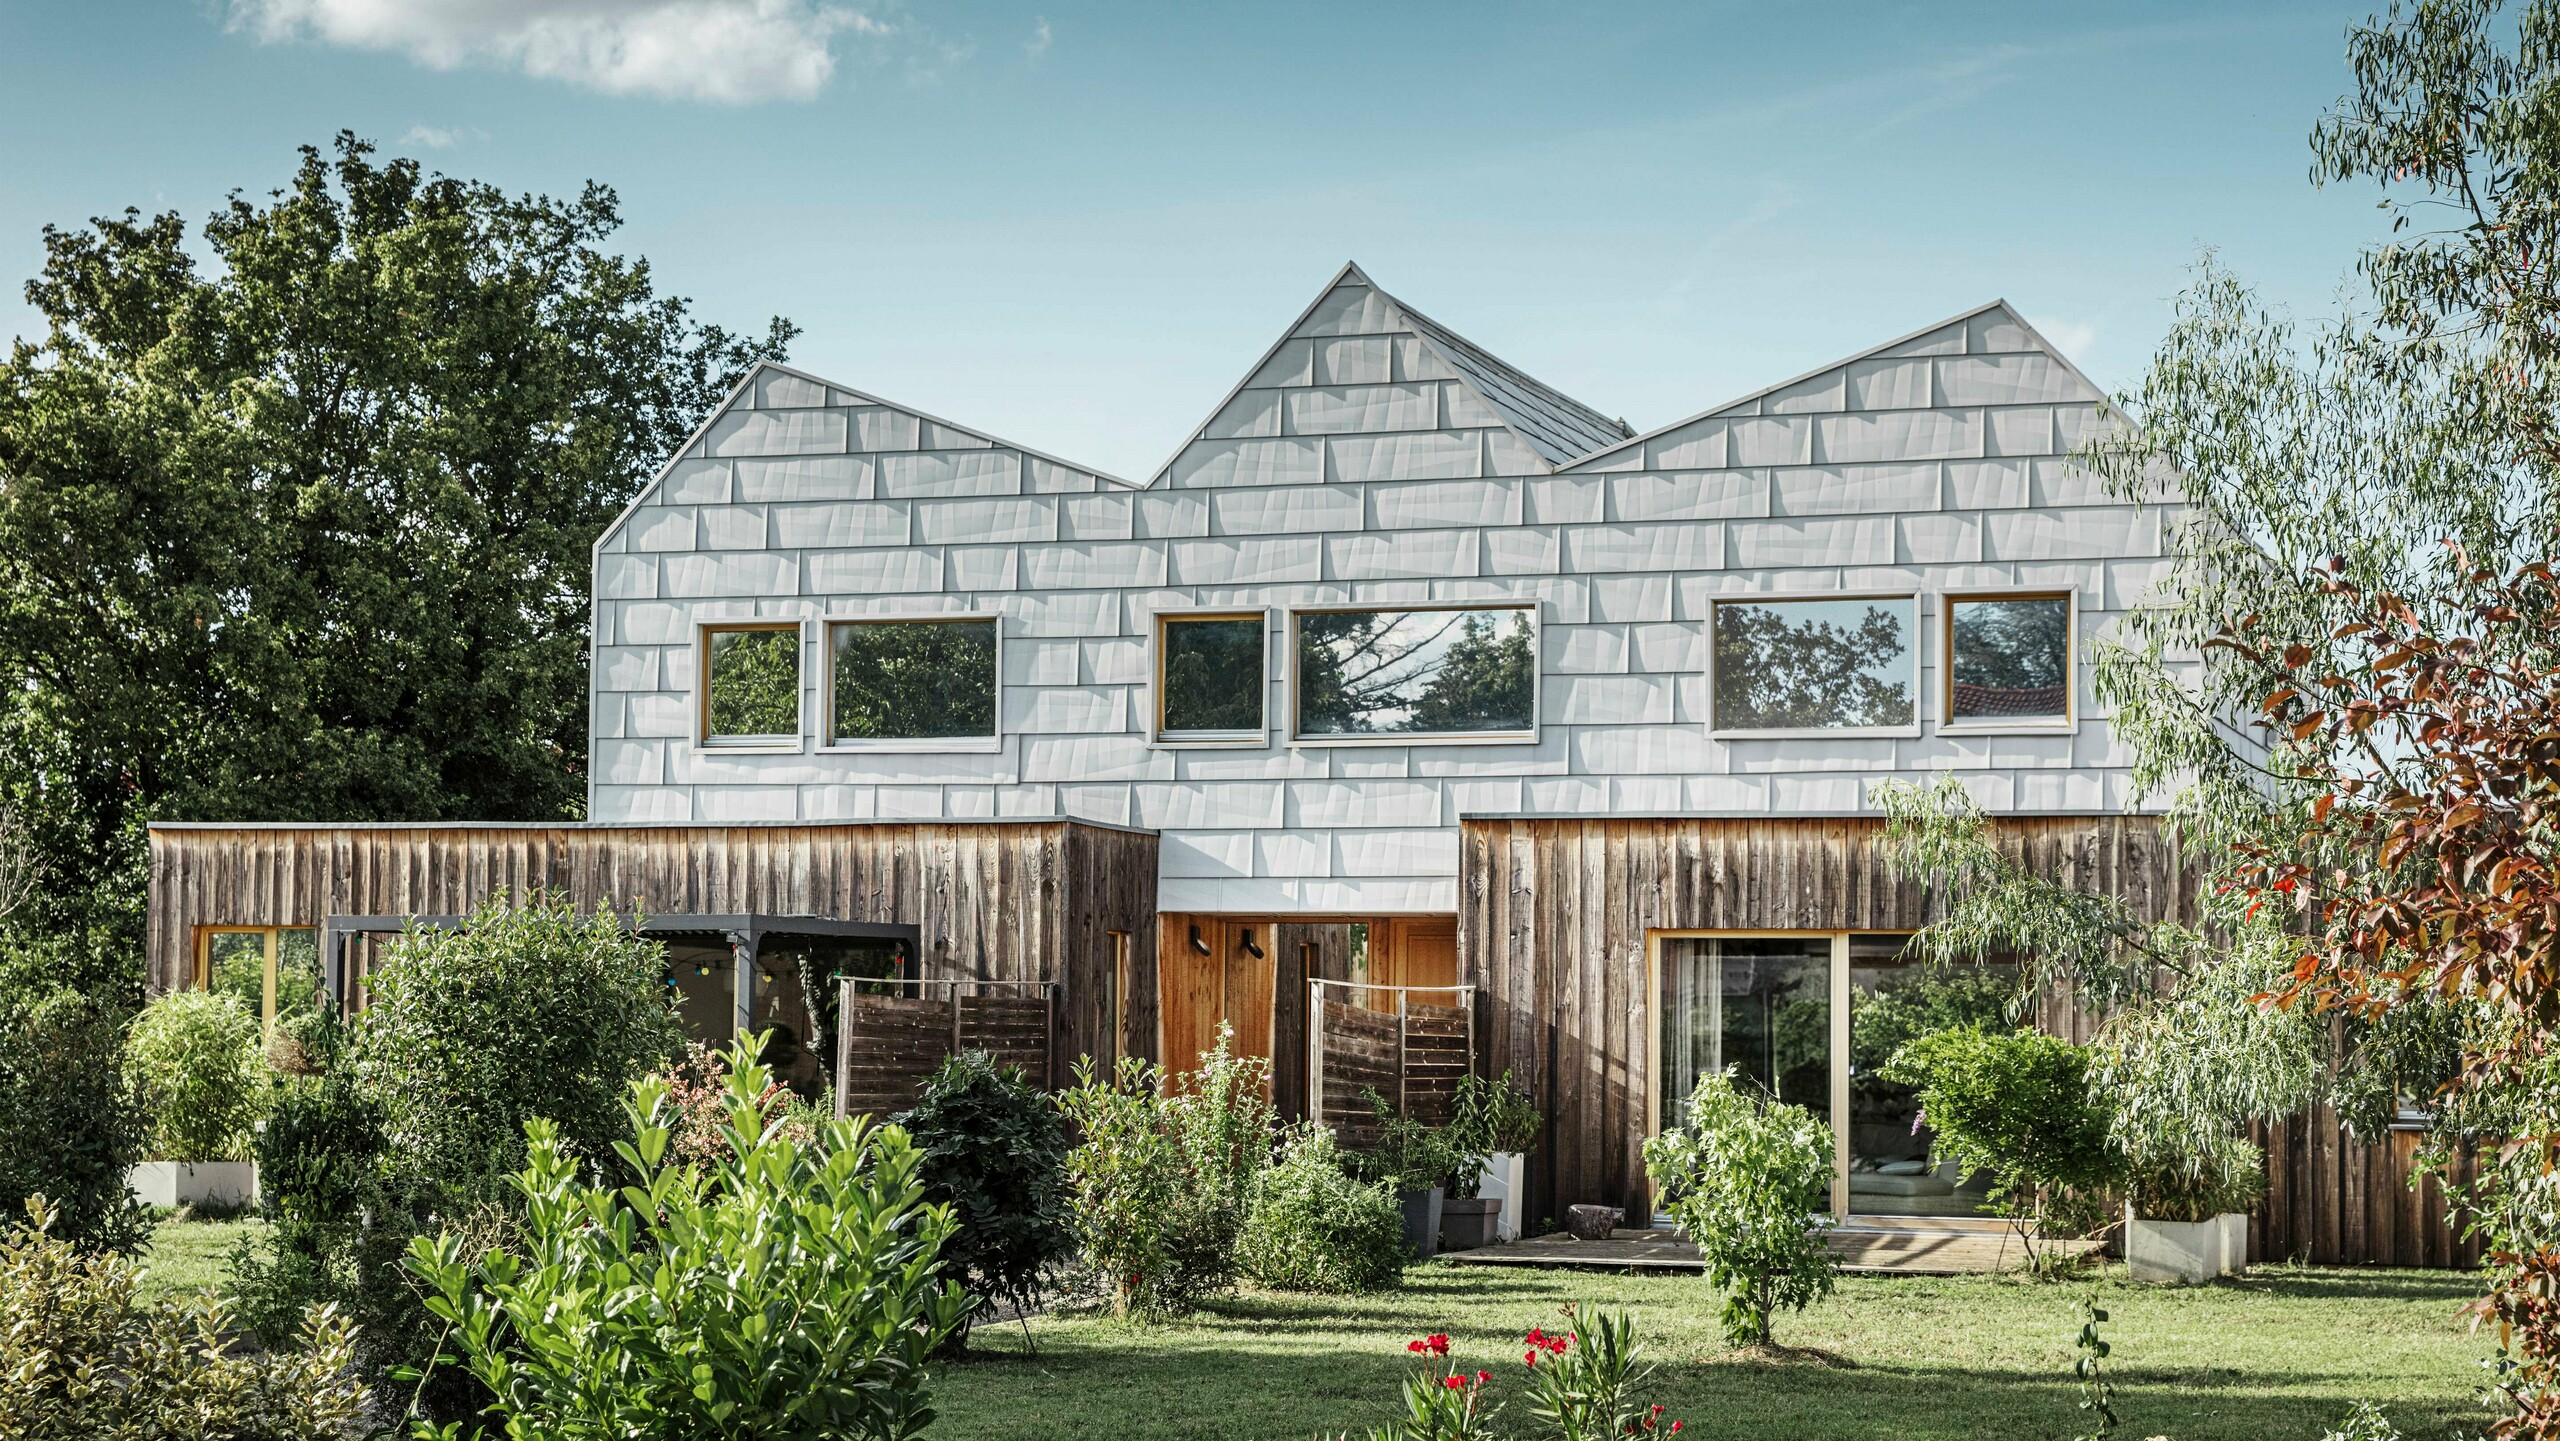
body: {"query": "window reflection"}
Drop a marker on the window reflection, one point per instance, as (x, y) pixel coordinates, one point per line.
(2009, 659)
(913, 680)
(1815, 664)
(1895, 1167)
(753, 691)
(1212, 674)
(1759, 1007)
(1416, 672)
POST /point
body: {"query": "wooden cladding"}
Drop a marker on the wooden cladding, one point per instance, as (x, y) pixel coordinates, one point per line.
(890, 1045)
(994, 900)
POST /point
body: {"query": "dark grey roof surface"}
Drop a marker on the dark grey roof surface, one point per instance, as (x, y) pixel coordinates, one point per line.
(1560, 427)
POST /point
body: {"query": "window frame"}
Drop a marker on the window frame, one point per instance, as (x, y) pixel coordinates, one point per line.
(1717, 730)
(2067, 722)
(200, 967)
(757, 744)
(1157, 734)
(990, 743)
(1536, 611)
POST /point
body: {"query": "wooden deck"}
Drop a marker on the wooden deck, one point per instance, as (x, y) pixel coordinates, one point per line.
(1904, 1248)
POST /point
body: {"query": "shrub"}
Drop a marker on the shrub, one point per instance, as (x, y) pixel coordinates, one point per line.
(336, 1229)
(1312, 1227)
(789, 1290)
(1161, 1181)
(2017, 1104)
(2231, 1176)
(82, 1360)
(525, 1011)
(198, 1068)
(1749, 1180)
(698, 1106)
(995, 1152)
(1488, 1118)
(70, 1125)
(1411, 1154)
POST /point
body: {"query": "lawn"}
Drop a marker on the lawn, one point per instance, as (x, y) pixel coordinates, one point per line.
(192, 1255)
(2284, 1353)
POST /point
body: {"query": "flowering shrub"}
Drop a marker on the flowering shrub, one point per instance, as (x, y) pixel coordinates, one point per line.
(1313, 1227)
(1579, 1385)
(697, 1107)
(1749, 1179)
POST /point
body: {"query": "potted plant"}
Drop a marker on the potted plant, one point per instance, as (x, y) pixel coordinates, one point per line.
(196, 1063)
(2186, 1217)
(1417, 1160)
(1490, 1127)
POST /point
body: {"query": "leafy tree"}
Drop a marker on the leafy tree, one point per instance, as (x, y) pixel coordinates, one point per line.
(2019, 1105)
(915, 680)
(1778, 673)
(2010, 645)
(787, 1290)
(71, 1126)
(300, 529)
(995, 1151)
(755, 683)
(1749, 1180)
(1423, 672)
(1485, 684)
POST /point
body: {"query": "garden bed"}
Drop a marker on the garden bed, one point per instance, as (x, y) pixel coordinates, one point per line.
(2284, 1353)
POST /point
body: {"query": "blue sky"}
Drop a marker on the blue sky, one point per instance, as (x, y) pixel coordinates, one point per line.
(1076, 228)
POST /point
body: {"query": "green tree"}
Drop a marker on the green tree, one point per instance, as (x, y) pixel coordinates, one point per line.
(1749, 1180)
(300, 529)
(1777, 673)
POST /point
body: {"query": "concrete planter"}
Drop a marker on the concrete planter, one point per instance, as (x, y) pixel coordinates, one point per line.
(2185, 1253)
(1506, 1179)
(195, 1183)
(1468, 1222)
(1421, 1207)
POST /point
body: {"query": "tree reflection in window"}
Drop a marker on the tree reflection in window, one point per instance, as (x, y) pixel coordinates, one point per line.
(913, 680)
(1213, 673)
(1416, 672)
(1814, 664)
(2009, 659)
(754, 690)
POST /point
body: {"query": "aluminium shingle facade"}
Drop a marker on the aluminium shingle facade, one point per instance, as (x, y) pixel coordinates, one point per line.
(1371, 456)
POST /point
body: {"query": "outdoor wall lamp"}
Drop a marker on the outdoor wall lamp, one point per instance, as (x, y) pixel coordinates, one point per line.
(1250, 948)
(1198, 944)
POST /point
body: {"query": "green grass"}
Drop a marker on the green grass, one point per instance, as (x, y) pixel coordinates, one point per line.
(2284, 1353)
(191, 1255)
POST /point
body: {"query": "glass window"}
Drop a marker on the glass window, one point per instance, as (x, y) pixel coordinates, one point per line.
(1416, 672)
(2009, 658)
(753, 692)
(1895, 1166)
(1816, 664)
(1759, 1007)
(236, 966)
(272, 970)
(1211, 675)
(912, 680)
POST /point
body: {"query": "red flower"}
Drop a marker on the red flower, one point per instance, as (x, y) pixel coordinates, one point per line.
(1483, 1376)
(1529, 1359)
(1675, 1425)
(1454, 1383)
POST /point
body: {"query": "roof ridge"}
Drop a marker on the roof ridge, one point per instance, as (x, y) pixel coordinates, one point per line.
(1552, 423)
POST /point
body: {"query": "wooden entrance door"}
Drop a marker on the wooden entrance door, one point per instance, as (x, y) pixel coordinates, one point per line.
(1411, 951)
(1209, 973)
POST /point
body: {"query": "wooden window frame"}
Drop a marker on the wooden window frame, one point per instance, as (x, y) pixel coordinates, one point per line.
(1535, 610)
(1157, 734)
(891, 745)
(201, 970)
(769, 745)
(1716, 728)
(2069, 720)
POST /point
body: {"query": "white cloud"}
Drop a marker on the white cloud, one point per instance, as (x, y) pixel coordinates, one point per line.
(1038, 44)
(2071, 337)
(733, 51)
(441, 137)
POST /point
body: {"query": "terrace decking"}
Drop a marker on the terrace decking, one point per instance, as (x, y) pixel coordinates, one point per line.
(1911, 1248)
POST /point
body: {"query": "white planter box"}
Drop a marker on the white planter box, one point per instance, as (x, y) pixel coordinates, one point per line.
(195, 1183)
(2185, 1253)
(1505, 1178)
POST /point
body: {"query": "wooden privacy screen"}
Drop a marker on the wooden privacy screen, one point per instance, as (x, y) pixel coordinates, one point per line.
(888, 1045)
(1411, 1052)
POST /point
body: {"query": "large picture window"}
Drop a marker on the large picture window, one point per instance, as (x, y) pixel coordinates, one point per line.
(1470, 671)
(1209, 677)
(2008, 659)
(751, 684)
(911, 681)
(1814, 665)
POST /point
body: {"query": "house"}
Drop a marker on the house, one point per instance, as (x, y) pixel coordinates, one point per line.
(1404, 670)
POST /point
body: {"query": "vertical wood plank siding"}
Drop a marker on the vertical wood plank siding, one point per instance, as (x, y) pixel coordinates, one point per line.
(1553, 920)
(1018, 900)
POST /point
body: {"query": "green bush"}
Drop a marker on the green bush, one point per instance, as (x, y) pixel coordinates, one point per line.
(1488, 1117)
(2231, 1176)
(1161, 1181)
(789, 1290)
(1411, 1154)
(524, 1011)
(995, 1152)
(1311, 1226)
(197, 1065)
(336, 1230)
(82, 1360)
(1749, 1180)
(70, 1125)
(2019, 1105)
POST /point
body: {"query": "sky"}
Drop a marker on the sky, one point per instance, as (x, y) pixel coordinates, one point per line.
(1076, 227)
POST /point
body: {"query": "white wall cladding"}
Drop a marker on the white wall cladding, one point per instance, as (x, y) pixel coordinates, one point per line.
(1371, 456)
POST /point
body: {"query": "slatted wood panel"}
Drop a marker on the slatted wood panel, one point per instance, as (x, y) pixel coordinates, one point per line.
(994, 900)
(892, 1044)
(1359, 1046)
(1412, 1057)
(1554, 915)
(2334, 1200)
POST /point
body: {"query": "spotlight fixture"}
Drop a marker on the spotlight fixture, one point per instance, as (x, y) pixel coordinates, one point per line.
(1198, 944)
(1250, 948)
